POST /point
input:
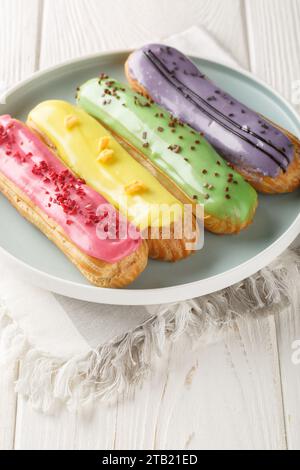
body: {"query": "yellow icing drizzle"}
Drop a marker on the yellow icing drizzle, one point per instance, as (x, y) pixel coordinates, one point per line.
(80, 149)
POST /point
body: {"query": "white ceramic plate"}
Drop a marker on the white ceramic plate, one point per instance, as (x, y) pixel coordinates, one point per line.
(223, 261)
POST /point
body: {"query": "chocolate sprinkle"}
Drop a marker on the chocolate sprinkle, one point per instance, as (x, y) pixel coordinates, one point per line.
(175, 148)
(103, 76)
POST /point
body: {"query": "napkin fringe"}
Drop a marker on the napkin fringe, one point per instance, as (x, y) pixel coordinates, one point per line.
(113, 368)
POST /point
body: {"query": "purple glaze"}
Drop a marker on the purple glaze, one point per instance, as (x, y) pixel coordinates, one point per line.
(176, 84)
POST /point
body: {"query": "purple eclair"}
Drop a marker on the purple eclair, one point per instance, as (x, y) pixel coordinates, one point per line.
(265, 154)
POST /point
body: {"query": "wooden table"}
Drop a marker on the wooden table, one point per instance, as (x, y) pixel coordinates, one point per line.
(243, 391)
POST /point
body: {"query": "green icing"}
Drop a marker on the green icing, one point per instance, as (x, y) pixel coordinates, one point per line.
(182, 153)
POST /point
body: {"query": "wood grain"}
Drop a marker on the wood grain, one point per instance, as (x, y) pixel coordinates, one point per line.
(19, 35)
(225, 395)
(274, 42)
(288, 327)
(81, 27)
(8, 406)
(212, 397)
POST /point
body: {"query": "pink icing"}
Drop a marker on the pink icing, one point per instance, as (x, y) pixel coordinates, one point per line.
(83, 214)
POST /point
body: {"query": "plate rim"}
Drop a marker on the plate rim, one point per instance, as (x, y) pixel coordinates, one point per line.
(159, 295)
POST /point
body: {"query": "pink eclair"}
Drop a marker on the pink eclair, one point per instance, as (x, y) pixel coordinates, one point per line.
(109, 251)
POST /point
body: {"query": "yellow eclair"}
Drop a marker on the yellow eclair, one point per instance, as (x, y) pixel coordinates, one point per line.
(92, 153)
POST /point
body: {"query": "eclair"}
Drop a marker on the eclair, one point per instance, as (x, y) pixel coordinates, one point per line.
(181, 159)
(107, 250)
(262, 152)
(92, 153)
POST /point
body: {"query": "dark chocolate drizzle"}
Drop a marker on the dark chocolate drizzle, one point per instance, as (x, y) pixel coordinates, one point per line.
(192, 97)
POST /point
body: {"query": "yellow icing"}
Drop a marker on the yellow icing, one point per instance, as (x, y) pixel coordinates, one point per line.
(79, 150)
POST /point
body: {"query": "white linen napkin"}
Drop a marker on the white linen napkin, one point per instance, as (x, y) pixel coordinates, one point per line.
(197, 42)
(73, 351)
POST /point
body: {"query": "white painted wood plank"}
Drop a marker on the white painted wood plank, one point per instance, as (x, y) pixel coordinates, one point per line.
(223, 396)
(226, 395)
(288, 327)
(8, 406)
(274, 38)
(18, 37)
(81, 27)
(274, 42)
